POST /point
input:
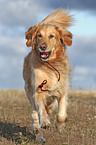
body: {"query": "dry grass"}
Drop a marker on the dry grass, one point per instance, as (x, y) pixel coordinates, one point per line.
(16, 124)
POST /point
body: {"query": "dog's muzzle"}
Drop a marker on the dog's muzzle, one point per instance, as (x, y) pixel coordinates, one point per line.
(43, 53)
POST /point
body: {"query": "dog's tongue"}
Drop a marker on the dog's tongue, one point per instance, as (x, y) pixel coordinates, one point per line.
(44, 54)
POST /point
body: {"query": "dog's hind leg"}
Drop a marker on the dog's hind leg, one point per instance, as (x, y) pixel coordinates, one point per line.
(62, 114)
(52, 107)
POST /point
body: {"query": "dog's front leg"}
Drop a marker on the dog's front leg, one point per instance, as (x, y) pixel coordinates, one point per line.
(43, 116)
(44, 120)
(62, 114)
(36, 127)
(35, 118)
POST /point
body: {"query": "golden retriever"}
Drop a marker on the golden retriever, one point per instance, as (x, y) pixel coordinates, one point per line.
(46, 69)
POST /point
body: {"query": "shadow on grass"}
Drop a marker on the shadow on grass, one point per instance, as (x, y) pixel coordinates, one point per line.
(15, 133)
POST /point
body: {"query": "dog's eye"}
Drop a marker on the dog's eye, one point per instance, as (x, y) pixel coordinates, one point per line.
(51, 36)
(39, 35)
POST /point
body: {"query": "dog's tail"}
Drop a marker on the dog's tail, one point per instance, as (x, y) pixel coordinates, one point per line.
(59, 18)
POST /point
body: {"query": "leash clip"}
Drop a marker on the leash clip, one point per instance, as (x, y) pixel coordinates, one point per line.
(42, 84)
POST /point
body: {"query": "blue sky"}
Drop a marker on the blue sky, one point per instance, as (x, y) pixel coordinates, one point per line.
(16, 16)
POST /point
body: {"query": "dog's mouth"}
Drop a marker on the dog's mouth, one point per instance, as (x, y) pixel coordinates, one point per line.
(45, 55)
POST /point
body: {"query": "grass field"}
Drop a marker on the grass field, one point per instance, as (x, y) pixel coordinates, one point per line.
(16, 124)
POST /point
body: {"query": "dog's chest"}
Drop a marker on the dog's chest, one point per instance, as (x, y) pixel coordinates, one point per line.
(41, 74)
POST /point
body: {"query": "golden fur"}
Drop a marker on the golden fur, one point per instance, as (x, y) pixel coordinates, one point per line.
(51, 35)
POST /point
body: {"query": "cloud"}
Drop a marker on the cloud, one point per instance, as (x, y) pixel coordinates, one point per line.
(83, 62)
(11, 69)
(11, 72)
(83, 51)
(20, 13)
(24, 13)
(12, 54)
(12, 46)
(10, 31)
(16, 12)
(82, 72)
(84, 78)
(74, 4)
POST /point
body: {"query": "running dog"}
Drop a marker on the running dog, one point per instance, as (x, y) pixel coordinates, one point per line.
(47, 69)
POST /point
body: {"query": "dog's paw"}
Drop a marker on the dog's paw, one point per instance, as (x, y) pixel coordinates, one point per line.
(40, 139)
(45, 124)
(60, 126)
(36, 129)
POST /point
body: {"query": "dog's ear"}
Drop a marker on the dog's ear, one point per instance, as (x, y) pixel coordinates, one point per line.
(30, 36)
(66, 36)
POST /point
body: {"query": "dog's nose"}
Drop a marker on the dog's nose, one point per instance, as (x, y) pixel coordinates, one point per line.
(43, 46)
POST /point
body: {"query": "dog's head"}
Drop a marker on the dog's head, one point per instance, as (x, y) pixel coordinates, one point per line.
(48, 39)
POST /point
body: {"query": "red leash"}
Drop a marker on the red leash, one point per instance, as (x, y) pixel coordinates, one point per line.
(55, 70)
(42, 84)
(45, 81)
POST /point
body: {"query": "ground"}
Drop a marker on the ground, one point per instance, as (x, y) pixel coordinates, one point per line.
(16, 124)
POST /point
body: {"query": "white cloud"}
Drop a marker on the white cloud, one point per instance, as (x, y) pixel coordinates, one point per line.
(78, 78)
(12, 45)
(2, 62)
(21, 12)
(83, 51)
(84, 77)
(81, 70)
